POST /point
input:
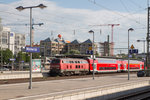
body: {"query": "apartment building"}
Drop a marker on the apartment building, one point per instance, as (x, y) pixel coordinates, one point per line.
(50, 47)
(11, 40)
(82, 47)
(75, 45)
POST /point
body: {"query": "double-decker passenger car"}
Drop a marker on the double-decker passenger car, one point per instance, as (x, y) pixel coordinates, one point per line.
(134, 65)
(109, 65)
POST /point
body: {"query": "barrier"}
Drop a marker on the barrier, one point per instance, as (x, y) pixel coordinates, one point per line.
(20, 75)
(101, 93)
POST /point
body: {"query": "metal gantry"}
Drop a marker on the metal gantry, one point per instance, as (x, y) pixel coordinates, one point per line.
(148, 44)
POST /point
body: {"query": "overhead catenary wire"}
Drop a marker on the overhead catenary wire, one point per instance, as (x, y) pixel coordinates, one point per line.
(124, 6)
(45, 19)
(136, 4)
(99, 5)
(52, 21)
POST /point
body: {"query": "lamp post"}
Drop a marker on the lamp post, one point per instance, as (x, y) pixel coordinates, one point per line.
(12, 58)
(143, 44)
(143, 49)
(91, 31)
(1, 54)
(130, 29)
(20, 8)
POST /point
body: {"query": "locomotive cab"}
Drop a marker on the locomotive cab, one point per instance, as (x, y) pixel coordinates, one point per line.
(55, 67)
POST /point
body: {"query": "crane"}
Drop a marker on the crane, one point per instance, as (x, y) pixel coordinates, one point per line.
(112, 42)
(26, 25)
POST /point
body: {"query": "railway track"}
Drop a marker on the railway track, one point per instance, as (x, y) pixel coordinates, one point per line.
(11, 81)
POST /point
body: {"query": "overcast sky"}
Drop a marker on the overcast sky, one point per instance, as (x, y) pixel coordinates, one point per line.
(65, 16)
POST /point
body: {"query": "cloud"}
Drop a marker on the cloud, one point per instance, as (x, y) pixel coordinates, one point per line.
(64, 21)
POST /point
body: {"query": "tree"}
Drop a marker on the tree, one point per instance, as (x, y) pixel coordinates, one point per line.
(27, 57)
(7, 54)
(36, 55)
(96, 54)
(21, 57)
(73, 51)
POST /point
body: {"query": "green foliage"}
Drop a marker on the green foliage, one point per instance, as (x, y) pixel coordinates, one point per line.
(35, 55)
(6, 54)
(96, 54)
(73, 51)
(27, 57)
(21, 57)
(124, 56)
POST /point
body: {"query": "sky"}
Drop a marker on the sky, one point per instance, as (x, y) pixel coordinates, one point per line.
(74, 18)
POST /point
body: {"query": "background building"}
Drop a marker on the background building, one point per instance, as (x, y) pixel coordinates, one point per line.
(82, 47)
(59, 46)
(74, 45)
(11, 40)
(50, 47)
(105, 49)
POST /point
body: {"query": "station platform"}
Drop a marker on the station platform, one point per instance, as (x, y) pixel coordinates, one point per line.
(73, 89)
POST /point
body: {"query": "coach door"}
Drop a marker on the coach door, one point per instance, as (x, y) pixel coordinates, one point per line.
(119, 67)
(140, 66)
(125, 67)
(95, 66)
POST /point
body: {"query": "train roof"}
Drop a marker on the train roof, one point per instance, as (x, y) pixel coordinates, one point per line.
(73, 56)
(70, 58)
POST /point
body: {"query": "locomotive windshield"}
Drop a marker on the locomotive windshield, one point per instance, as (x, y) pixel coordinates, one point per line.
(55, 61)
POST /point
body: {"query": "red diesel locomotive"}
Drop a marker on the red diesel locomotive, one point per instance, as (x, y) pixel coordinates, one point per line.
(70, 66)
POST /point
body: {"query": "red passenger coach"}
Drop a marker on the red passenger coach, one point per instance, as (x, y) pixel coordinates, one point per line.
(69, 66)
(109, 65)
(90, 61)
(135, 65)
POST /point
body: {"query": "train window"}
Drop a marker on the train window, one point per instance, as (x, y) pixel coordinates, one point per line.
(82, 66)
(62, 61)
(72, 61)
(75, 61)
(70, 66)
(79, 66)
(78, 61)
(106, 61)
(55, 61)
(67, 67)
(76, 66)
(69, 61)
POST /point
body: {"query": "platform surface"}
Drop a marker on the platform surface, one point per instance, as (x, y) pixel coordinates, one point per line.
(55, 87)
